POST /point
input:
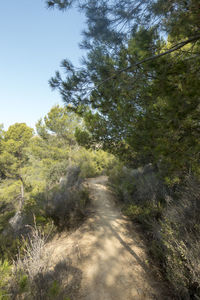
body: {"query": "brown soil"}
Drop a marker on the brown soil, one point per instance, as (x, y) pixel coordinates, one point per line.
(106, 257)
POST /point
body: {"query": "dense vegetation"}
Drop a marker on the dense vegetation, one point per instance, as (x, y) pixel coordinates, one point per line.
(138, 88)
(136, 96)
(41, 192)
(138, 92)
(169, 218)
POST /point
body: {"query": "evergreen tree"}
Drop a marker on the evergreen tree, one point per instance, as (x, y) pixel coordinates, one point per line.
(138, 87)
(13, 156)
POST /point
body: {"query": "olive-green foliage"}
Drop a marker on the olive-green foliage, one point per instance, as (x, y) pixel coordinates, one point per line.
(92, 162)
(180, 232)
(67, 202)
(9, 244)
(145, 214)
(13, 161)
(23, 283)
(141, 192)
(60, 121)
(37, 163)
(120, 179)
(170, 219)
(13, 157)
(9, 190)
(47, 156)
(8, 201)
(5, 273)
(141, 185)
(139, 105)
(5, 217)
(51, 166)
(54, 290)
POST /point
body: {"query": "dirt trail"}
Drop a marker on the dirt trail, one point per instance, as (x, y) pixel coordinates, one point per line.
(106, 259)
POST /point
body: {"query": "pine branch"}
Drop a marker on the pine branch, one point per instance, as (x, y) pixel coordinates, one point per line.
(174, 48)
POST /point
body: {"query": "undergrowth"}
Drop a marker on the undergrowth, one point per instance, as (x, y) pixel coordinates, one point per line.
(170, 217)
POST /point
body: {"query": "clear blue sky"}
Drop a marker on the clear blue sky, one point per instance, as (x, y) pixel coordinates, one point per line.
(33, 41)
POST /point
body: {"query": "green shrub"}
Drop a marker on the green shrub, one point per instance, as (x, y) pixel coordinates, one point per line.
(180, 234)
(171, 220)
(5, 217)
(122, 181)
(5, 275)
(85, 160)
(67, 202)
(144, 214)
(54, 290)
(139, 186)
(23, 283)
(92, 163)
(9, 246)
(56, 171)
(32, 276)
(67, 207)
(9, 190)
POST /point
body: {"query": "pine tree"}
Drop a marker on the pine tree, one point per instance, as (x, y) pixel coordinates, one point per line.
(138, 86)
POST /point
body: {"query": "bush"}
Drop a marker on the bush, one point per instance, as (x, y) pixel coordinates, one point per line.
(31, 265)
(66, 203)
(139, 186)
(180, 233)
(5, 273)
(171, 220)
(146, 215)
(33, 275)
(9, 191)
(8, 246)
(5, 217)
(34, 260)
(92, 163)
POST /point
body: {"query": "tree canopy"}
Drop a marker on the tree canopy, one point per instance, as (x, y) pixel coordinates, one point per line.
(13, 144)
(138, 86)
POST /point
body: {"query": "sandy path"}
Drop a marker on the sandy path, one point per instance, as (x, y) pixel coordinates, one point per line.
(106, 260)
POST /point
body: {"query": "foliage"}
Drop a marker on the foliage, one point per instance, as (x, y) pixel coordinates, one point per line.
(9, 193)
(149, 123)
(61, 122)
(180, 231)
(5, 273)
(138, 85)
(138, 91)
(170, 219)
(9, 190)
(92, 162)
(32, 261)
(143, 185)
(12, 156)
(32, 275)
(41, 163)
(110, 23)
(67, 203)
(54, 289)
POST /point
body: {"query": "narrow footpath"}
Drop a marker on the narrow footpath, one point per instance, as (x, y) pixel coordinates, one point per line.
(105, 257)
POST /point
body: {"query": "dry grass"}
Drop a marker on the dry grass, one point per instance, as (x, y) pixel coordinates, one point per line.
(181, 237)
(34, 259)
(31, 266)
(171, 219)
